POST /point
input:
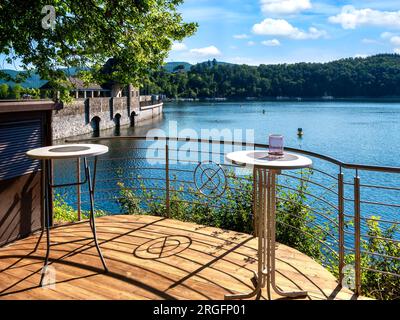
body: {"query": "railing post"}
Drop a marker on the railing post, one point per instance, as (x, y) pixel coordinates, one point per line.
(357, 233)
(255, 200)
(167, 208)
(51, 193)
(341, 224)
(78, 188)
(255, 208)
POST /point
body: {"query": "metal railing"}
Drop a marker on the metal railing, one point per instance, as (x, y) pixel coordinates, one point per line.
(148, 103)
(342, 195)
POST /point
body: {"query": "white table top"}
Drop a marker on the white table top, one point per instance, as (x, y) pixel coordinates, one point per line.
(261, 158)
(68, 151)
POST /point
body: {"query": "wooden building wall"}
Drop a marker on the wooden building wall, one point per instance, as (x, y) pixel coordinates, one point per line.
(24, 125)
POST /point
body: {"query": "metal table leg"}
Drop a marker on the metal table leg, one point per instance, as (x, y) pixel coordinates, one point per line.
(47, 204)
(92, 217)
(265, 210)
(261, 202)
(292, 294)
(47, 198)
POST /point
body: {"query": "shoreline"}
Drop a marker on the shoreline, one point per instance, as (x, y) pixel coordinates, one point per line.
(288, 99)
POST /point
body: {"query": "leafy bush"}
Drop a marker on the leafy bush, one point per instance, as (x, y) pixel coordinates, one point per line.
(4, 91)
(233, 211)
(128, 201)
(63, 212)
(16, 91)
(295, 223)
(377, 251)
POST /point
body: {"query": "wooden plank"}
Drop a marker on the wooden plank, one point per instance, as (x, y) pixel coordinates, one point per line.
(26, 105)
(212, 263)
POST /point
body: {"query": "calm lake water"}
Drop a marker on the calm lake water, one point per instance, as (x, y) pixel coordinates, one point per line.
(367, 133)
(364, 133)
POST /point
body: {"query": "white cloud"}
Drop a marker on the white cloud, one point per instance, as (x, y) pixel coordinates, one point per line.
(206, 51)
(387, 35)
(370, 41)
(271, 43)
(397, 50)
(178, 46)
(395, 41)
(241, 36)
(351, 18)
(251, 43)
(392, 37)
(280, 27)
(284, 6)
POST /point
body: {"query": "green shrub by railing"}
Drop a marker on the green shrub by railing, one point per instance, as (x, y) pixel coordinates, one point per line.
(380, 261)
(64, 213)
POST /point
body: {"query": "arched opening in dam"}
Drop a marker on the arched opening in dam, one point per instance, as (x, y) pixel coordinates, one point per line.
(95, 124)
(132, 117)
(117, 124)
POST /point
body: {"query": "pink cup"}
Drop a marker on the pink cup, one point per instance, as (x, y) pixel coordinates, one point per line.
(275, 145)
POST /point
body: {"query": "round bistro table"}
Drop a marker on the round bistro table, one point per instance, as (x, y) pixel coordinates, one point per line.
(265, 170)
(68, 151)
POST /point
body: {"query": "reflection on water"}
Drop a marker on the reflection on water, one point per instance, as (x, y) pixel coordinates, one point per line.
(140, 129)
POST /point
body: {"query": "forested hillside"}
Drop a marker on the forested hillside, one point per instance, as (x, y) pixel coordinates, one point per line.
(375, 76)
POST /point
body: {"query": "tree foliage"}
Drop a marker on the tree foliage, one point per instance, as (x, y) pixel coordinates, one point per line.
(18, 92)
(4, 91)
(375, 76)
(380, 252)
(137, 33)
(64, 213)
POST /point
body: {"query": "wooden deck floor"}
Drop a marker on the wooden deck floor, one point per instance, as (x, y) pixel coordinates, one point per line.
(152, 258)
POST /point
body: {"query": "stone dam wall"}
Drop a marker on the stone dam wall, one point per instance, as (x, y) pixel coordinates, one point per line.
(85, 116)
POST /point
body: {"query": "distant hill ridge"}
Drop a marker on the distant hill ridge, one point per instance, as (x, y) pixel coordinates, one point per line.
(34, 81)
(374, 76)
(170, 66)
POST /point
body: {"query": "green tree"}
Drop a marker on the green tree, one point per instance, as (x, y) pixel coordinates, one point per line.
(376, 76)
(4, 91)
(137, 34)
(179, 68)
(16, 91)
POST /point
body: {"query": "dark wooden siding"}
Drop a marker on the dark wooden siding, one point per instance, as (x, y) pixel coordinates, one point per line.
(15, 140)
(20, 208)
(21, 178)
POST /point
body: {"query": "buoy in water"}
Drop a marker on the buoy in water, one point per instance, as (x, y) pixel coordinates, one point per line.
(300, 132)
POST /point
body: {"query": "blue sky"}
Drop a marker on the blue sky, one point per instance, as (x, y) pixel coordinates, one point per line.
(287, 31)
